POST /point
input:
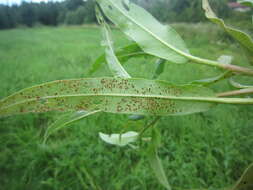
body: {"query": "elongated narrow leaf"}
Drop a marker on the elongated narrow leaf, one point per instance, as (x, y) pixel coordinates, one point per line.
(246, 180)
(132, 96)
(154, 160)
(248, 3)
(244, 39)
(114, 95)
(223, 59)
(112, 61)
(209, 81)
(65, 120)
(153, 37)
(236, 84)
(123, 54)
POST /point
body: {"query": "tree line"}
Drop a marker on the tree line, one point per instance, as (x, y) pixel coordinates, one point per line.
(76, 12)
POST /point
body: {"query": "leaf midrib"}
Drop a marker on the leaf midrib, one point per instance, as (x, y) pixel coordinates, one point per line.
(184, 98)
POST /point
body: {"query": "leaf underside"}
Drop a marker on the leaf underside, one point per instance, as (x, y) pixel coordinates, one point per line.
(153, 37)
(114, 95)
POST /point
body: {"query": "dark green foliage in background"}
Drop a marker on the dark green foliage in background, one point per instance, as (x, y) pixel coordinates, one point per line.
(76, 12)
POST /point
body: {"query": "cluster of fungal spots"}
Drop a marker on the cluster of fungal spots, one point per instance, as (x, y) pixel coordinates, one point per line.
(112, 84)
(61, 87)
(141, 105)
(45, 98)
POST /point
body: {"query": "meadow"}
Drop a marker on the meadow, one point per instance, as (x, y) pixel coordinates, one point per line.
(206, 150)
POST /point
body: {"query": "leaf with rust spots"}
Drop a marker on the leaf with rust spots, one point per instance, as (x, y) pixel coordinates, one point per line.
(114, 95)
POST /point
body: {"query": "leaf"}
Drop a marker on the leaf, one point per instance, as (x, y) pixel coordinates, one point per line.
(225, 59)
(244, 39)
(65, 120)
(248, 3)
(120, 139)
(136, 117)
(123, 54)
(159, 68)
(155, 161)
(112, 61)
(153, 37)
(213, 80)
(246, 180)
(114, 95)
(236, 84)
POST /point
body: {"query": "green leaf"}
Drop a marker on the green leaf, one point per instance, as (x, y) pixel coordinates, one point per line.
(248, 3)
(223, 59)
(112, 61)
(123, 54)
(246, 180)
(244, 39)
(114, 95)
(153, 37)
(65, 120)
(234, 83)
(120, 139)
(160, 64)
(209, 81)
(155, 161)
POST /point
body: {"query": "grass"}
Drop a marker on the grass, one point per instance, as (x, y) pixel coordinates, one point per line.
(205, 150)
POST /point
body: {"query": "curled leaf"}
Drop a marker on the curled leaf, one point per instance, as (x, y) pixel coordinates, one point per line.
(112, 61)
(225, 59)
(244, 39)
(120, 139)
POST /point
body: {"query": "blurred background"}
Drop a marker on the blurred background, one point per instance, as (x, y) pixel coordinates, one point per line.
(42, 41)
(14, 13)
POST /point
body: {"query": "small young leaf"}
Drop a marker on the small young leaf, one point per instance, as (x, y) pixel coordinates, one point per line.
(244, 39)
(112, 61)
(153, 37)
(120, 139)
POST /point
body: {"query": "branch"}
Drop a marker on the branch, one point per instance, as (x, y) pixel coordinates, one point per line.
(236, 92)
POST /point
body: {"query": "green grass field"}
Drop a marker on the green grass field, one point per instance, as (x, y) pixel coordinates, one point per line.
(205, 150)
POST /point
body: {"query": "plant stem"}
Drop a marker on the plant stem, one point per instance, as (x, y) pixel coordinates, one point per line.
(236, 92)
(228, 67)
(149, 125)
